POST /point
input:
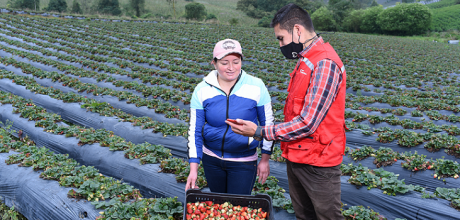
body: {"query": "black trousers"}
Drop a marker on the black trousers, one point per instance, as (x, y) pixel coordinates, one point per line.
(315, 191)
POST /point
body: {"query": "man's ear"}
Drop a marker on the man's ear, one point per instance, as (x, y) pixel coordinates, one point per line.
(297, 31)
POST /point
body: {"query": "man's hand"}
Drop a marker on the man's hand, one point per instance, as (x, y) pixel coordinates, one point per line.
(263, 168)
(245, 128)
(192, 176)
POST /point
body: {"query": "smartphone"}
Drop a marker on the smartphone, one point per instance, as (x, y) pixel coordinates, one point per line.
(233, 121)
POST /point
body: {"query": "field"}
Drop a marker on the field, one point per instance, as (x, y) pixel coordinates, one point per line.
(98, 111)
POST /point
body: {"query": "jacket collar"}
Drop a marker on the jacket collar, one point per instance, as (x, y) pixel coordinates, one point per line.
(319, 41)
(211, 78)
(304, 52)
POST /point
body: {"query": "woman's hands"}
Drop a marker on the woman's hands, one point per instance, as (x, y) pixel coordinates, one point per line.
(263, 168)
(192, 176)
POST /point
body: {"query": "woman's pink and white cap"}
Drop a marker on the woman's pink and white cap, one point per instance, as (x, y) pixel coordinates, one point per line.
(226, 47)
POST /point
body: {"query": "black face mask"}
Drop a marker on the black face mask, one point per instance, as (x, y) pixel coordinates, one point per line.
(291, 50)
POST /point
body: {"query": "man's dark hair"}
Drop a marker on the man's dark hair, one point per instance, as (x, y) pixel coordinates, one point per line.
(291, 14)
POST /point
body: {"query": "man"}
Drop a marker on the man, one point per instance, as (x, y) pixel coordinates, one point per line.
(313, 134)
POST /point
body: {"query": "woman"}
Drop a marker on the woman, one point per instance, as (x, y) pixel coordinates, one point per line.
(229, 160)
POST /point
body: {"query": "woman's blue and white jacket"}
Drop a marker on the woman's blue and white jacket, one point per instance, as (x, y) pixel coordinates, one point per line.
(210, 107)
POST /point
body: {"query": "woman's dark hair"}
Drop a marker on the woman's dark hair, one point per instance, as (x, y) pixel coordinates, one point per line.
(291, 14)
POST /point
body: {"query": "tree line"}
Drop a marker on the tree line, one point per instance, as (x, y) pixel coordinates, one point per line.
(135, 8)
(361, 16)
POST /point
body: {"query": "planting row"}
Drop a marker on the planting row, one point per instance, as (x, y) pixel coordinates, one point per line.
(146, 153)
(87, 182)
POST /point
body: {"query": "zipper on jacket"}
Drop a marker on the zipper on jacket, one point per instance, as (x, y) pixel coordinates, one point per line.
(226, 116)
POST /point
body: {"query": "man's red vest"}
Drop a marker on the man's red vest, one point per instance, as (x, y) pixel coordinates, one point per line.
(326, 146)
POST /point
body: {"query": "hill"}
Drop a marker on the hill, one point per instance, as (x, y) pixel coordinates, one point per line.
(223, 9)
(446, 16)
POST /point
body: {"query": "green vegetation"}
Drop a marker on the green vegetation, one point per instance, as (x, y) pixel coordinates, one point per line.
(24, 4)
(76, 9)
(57, 5)
(398, 60)
(405, 19)
(323, 20)
(369, 20)
(354, 21)
(219, 11)
(446, 18)
(233, 21)
(442, 4)
(111, 7)
(195, 11)
(7, 213)
(138, 6)
(266, 9)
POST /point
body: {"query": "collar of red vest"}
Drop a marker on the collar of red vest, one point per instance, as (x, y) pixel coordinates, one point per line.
(304, 52)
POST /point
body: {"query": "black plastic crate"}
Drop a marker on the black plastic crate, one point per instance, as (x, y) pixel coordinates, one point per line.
(263, 201)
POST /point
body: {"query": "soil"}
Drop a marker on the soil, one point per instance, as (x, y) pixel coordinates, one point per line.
(452, 152)
(432, 149)
(384, 163)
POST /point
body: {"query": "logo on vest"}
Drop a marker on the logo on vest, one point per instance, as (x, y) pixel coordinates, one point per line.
(229, 45)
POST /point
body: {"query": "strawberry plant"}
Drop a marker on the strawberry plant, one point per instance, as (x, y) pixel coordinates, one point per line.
(359, 212)
(409, 124)
(348, 170)
(409, 139)
(439, 141)
(350, 114)
(415, 162)
(378, 178)
(375, 119)
(450, 194)
(431, 127)
(454, 150)
(392, 120)
(272, 188)
(451, 129)
(104, 188)
(368, 133)
(167, 208)
(362, 153)
(399, 111)
(172, 164)
(416, 113)
(385, 156)
(276, 155)
(359, 117)
(386, 137)
(183, 171)
(435, 115)
(148, 153)
(446, 168)
(8, 213)
(116, 209)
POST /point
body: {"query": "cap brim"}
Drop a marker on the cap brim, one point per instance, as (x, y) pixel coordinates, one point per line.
(225, 54)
